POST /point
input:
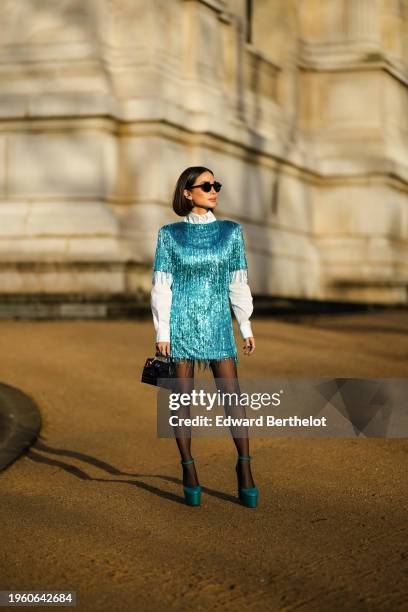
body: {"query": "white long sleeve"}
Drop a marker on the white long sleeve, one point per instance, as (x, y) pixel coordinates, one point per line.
(161, 298)
(241, 301)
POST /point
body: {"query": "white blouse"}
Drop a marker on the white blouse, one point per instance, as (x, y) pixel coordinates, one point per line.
(161, 294)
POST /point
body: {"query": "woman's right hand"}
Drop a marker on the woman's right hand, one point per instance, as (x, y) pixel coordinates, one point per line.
(163, 348)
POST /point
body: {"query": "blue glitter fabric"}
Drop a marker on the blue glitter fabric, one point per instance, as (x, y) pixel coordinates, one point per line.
(201, 258)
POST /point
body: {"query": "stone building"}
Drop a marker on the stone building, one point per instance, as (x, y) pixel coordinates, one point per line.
(299, 106)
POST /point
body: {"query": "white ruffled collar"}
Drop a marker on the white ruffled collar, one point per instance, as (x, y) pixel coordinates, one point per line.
(192, 217)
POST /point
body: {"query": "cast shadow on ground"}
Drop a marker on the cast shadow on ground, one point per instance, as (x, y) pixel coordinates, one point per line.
(82, 475)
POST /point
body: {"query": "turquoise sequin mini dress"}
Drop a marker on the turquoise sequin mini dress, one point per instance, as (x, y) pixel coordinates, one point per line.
(201, 258)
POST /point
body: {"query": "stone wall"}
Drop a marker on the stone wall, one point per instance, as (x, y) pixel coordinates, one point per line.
(301, 111)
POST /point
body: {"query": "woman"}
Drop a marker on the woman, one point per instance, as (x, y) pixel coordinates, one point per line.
(199, 265)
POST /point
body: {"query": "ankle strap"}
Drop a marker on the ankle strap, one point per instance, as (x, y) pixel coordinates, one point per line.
(245, 458)
(187, 462)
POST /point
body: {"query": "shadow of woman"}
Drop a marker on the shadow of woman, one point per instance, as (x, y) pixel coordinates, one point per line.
(103, 465)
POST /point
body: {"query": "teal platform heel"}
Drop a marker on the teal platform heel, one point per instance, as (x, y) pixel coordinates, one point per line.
(248, 496)
(192, 495)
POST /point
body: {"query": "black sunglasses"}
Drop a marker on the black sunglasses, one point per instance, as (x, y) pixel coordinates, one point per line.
(207, 186)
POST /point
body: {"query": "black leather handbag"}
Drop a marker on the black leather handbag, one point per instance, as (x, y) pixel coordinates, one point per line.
(159, 371)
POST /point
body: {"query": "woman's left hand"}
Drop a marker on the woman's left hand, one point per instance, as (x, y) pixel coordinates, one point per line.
(249, 345)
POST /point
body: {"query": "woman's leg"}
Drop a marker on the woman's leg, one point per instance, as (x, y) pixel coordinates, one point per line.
(184, 372)
(226, 380)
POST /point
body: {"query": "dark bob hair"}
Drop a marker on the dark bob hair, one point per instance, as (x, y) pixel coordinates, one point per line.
(181, 205)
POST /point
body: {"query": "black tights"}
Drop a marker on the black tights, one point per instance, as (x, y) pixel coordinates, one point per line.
(226, 380)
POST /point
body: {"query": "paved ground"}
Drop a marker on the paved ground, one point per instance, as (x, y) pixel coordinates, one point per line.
(96, 505)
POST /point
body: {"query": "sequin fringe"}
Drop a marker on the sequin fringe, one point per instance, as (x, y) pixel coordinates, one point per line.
(201, 259)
